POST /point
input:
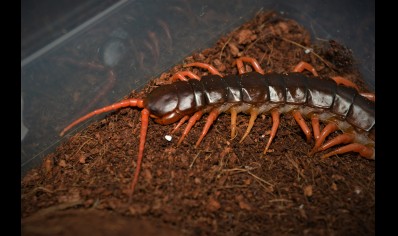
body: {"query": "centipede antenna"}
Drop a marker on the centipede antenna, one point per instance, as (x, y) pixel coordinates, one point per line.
(133, 102)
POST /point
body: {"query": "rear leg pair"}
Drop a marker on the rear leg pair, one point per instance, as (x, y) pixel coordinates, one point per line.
(320, 136)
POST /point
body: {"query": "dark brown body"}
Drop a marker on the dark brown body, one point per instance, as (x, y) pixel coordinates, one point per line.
(293, 90)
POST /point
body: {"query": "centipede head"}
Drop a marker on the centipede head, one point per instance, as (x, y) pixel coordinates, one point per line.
(162, 104)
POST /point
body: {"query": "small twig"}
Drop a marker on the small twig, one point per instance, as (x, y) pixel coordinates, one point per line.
(280, 200)
(223, 47)
(43, 189)
(51, 209)
(194, 159)
(328, 64)
(296, 166)
(260, 179)
(269, 55)
(250, 173)
(251, 45)
(233, 186)
(80, 147)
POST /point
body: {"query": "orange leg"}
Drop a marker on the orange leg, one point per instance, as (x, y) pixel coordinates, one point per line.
(344, 81)
(253, 116)
(144, 128)
(252, 61)
(91, 67)
(338, 79)
(210, 119)
(181, 76)
(210, 68)
(364, 151)
(370, 96)
(182, 121)
(275, 124)
(305, 66)
(300, 120)
(329, 128)
(348, 83)
(105, 89)
(234, 114)
(254, 112)
(191, 123)
(125, 103)
(342, 138)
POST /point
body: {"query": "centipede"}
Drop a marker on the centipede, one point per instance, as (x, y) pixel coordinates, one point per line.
(335, 101)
